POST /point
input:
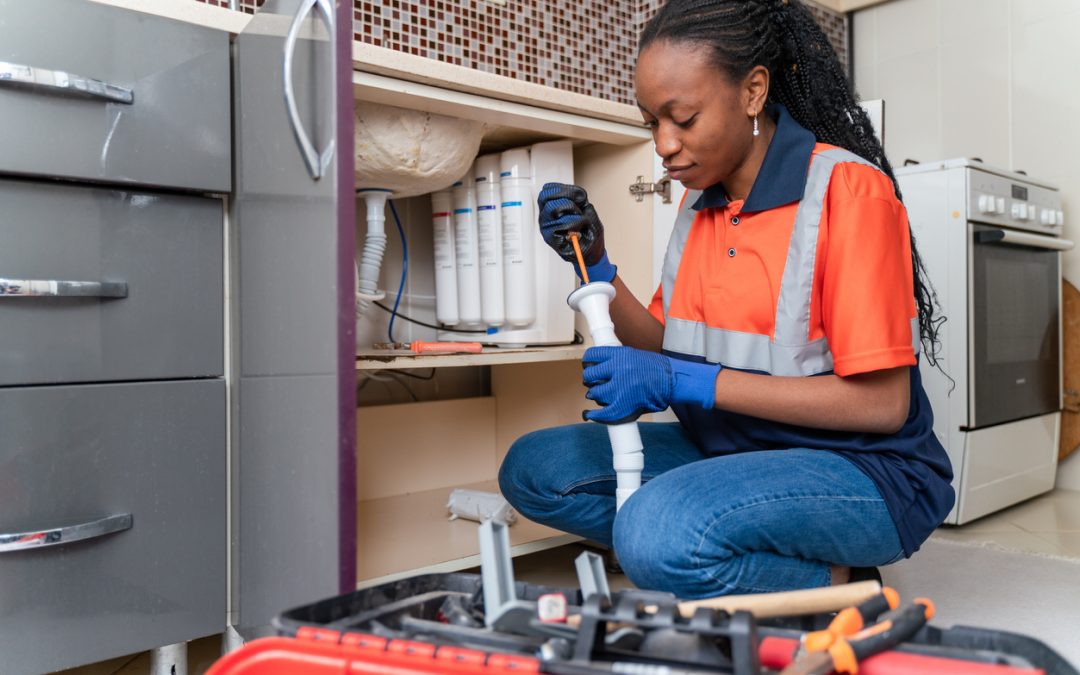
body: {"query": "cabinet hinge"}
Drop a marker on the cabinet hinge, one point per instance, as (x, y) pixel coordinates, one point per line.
(661, 187)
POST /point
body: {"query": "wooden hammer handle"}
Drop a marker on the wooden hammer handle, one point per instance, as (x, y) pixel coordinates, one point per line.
(788, 603)
(785, 603)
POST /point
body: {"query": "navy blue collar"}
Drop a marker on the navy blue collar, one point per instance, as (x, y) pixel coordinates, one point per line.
(782, 177)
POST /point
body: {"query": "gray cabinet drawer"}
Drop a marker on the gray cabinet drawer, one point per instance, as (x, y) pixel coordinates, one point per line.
(74, 454)
(166, 248)
(175, 132)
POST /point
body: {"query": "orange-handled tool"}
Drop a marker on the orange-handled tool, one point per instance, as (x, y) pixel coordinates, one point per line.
(580, 258)
(845, 652)
(852, 620)
(420, 347)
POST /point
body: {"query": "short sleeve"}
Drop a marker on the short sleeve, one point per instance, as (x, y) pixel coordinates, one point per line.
(868, 299)
(656, 305)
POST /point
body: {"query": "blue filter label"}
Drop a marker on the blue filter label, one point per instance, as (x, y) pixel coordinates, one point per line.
(462, 210)
(505, 173)
(486, 207)
(505, 204)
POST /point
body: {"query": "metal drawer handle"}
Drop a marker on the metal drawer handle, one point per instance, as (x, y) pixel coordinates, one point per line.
(22, 541)
(316, 162)
(42, 288)
(59, 82)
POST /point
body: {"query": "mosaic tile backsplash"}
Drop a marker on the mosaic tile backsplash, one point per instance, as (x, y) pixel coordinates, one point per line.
(583, 46)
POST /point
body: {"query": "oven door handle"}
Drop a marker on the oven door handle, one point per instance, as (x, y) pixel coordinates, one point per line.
(1023, 239)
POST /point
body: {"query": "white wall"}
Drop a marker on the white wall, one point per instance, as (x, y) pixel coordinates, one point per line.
(996, 79)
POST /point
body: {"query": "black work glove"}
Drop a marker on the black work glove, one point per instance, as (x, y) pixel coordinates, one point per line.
(565, 209)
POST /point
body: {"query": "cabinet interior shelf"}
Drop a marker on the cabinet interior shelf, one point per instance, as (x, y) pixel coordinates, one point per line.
(406, 535)
(380, 359)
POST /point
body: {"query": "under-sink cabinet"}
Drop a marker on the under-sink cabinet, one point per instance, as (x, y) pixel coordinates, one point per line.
(205, 382)
(328, 495)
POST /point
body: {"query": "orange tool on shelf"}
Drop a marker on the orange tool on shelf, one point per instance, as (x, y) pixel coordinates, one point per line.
(420, 347)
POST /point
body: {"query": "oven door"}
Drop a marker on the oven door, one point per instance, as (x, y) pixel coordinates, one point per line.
(1015, 324)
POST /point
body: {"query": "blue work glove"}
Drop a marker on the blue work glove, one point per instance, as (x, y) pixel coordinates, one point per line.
(565, 209)
(630, 382)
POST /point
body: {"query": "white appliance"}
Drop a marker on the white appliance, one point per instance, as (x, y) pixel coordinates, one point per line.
(991, 242)
(535, 281)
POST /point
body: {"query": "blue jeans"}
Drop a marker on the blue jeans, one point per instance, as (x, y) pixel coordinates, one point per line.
(704, 526)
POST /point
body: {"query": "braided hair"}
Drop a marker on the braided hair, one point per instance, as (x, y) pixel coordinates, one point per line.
(806, 78)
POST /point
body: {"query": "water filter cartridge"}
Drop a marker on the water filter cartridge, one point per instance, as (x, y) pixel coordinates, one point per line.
(466, 250)
(519, 265)
(442, 217)
(490, 240)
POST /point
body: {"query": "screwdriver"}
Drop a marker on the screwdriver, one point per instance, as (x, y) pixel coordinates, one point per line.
(580, 259)
(421, 347)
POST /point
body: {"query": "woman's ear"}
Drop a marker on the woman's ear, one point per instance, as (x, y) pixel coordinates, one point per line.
(756, 89)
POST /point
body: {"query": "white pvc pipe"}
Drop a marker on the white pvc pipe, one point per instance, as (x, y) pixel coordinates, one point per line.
(367, 279)
(593, 300)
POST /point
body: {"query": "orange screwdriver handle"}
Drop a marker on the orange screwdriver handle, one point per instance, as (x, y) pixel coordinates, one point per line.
(446, 347)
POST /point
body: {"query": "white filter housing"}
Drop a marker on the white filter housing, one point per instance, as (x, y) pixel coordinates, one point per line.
(519, 263)
(446, 291)
(466, 249)
(552, 278)
(490, 238)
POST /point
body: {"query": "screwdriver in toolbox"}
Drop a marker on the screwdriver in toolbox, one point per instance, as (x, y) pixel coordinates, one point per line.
(845, 652)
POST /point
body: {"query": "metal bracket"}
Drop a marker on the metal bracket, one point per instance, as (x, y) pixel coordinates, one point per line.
(661, 187)
(502, 610)
(591, 575)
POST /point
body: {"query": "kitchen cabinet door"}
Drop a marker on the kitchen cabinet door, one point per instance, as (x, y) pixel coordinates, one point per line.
(293, 522)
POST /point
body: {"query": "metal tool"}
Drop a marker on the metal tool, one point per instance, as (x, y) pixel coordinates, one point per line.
(851, 620)
(844, 653)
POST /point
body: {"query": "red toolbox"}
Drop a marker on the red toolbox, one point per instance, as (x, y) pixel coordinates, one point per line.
(434, 624)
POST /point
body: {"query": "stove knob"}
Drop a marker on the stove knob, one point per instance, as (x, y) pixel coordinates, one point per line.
(1060, 218)
(1047, 217)
(1000, 206)
(1018, 211)
(986, 204)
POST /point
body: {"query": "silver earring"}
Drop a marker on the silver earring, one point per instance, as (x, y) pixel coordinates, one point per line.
(756, 130)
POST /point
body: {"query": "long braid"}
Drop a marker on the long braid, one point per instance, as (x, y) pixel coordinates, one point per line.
(807, 78)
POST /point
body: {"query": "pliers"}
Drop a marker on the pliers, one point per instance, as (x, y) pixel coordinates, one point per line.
(852, 636)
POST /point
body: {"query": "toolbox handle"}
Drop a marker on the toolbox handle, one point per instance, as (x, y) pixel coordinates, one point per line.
(55, 536)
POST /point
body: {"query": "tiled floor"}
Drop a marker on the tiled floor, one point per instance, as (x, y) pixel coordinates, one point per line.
(1049, 524)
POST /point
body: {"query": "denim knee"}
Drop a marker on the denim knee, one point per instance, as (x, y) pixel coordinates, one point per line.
(652, 554)
(517, 474)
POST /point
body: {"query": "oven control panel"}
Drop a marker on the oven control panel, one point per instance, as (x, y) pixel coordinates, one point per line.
(1013, 202)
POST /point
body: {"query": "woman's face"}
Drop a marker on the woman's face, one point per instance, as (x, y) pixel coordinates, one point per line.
(699, 119)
